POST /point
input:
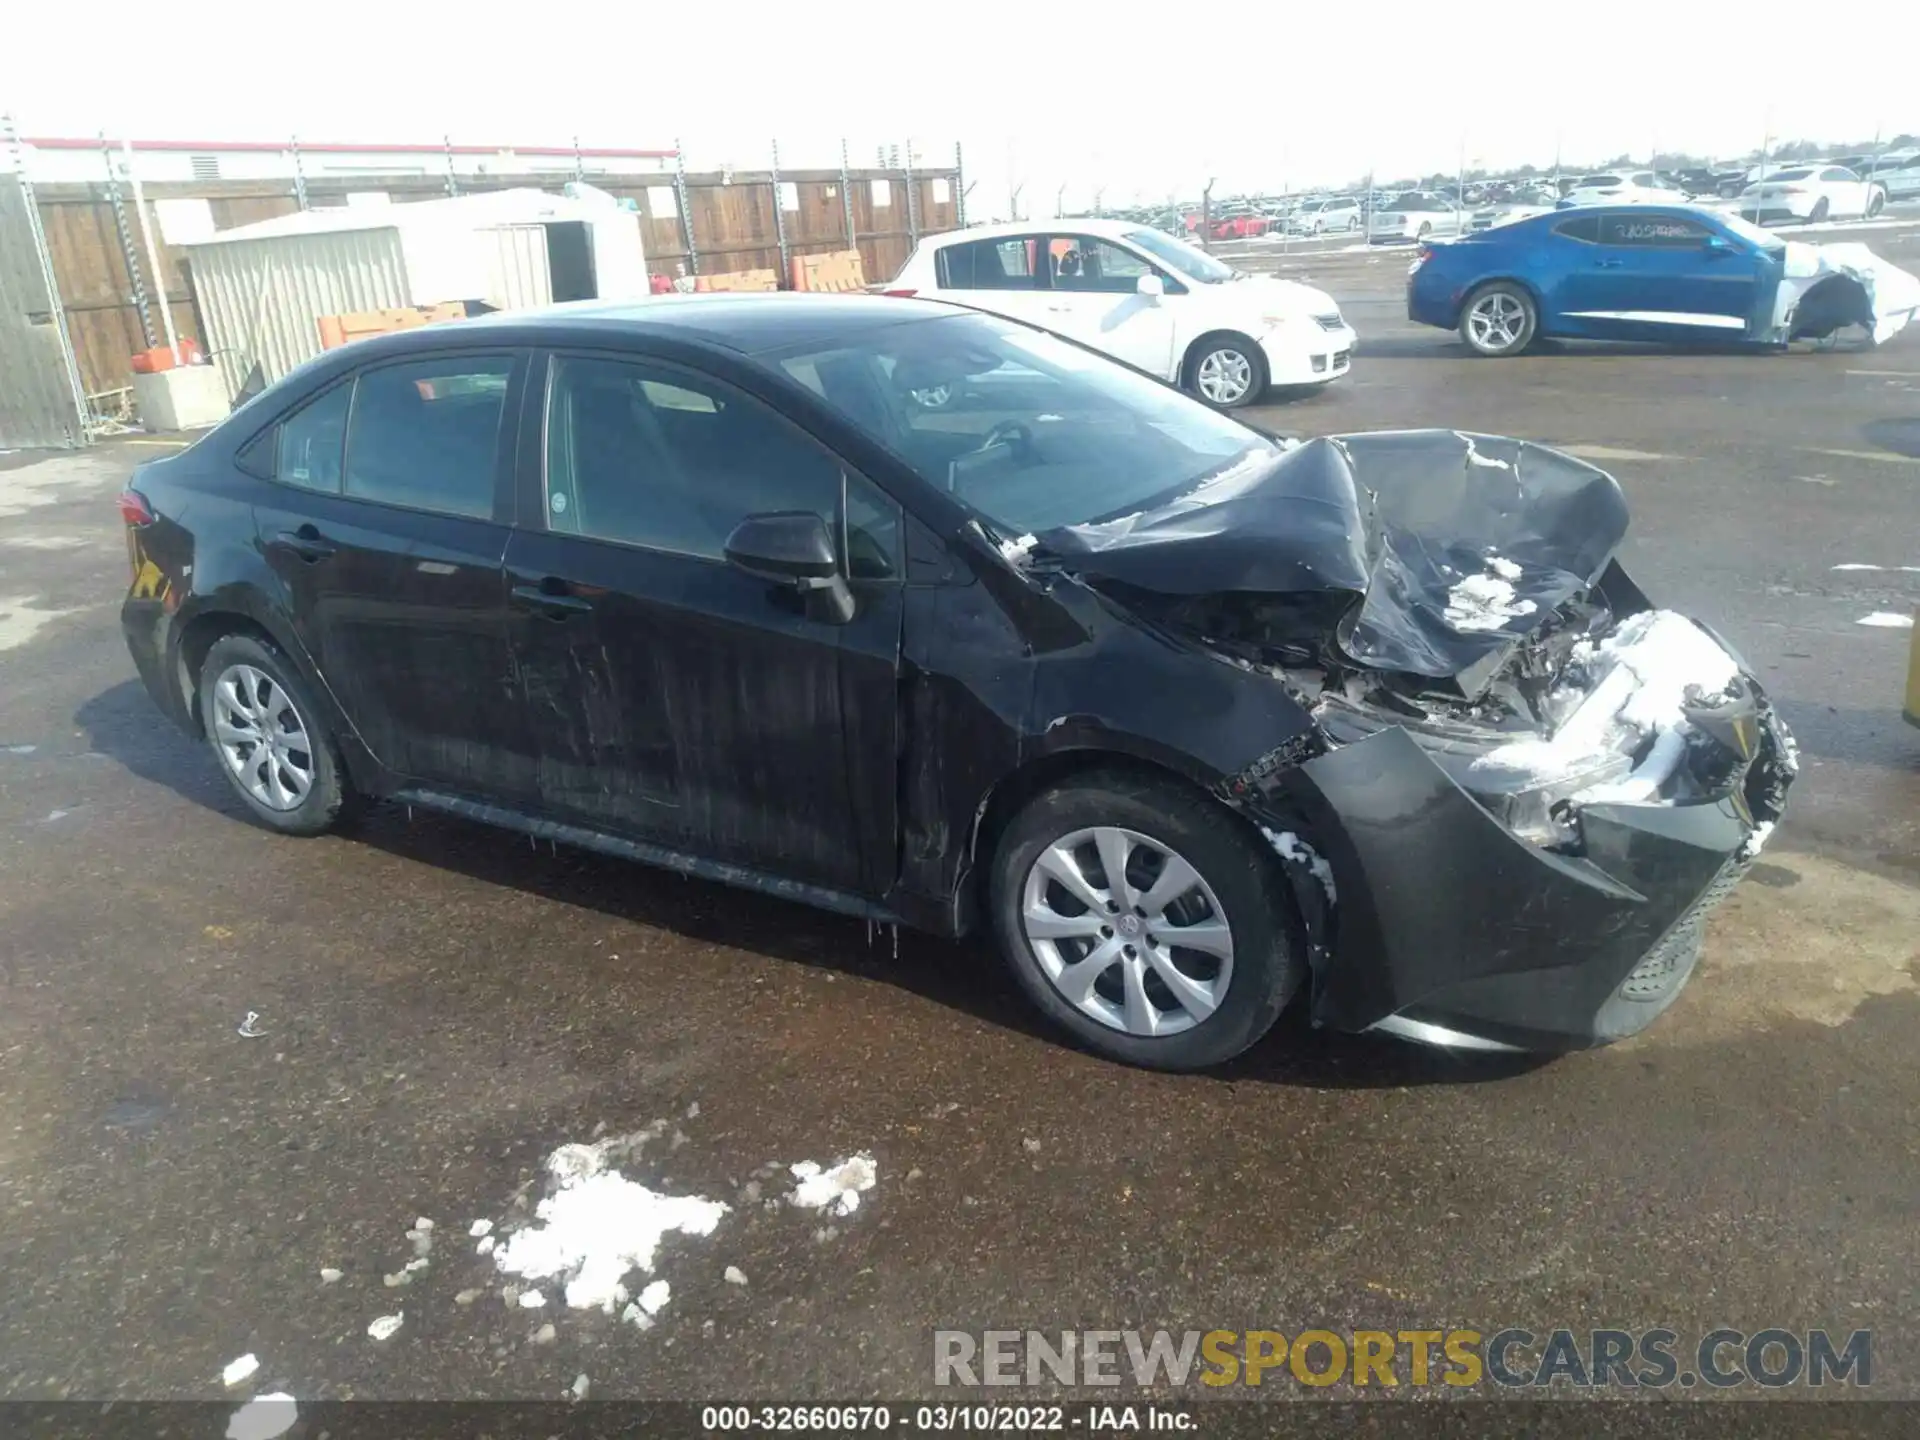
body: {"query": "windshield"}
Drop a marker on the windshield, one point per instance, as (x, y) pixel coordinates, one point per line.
(1193, 263)
(1027, 430)
(1751, 233)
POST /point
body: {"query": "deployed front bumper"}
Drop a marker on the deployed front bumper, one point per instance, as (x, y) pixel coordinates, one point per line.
(1453, 931)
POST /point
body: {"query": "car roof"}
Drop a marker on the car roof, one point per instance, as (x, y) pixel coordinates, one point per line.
(747, 323)
(1078, 224)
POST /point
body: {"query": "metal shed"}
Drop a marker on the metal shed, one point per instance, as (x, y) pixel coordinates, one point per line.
(262, 288)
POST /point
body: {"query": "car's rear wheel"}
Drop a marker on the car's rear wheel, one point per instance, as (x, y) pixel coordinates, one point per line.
(1146, 922)
(1820, 211)
(1876, 202)
(270, 738)
(1227, 371)
(1426, 229)
(1499, 319)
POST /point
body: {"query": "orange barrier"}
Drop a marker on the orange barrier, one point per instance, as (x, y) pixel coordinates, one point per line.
(736, 280)
(337, 330)
(835, 271)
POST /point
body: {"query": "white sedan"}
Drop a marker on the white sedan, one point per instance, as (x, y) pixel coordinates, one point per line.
(1143, 297)
(1812, 193)
(1416, 215)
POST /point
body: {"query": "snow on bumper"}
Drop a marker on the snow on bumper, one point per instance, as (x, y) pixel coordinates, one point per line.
(1456, 928)
(1303, 352)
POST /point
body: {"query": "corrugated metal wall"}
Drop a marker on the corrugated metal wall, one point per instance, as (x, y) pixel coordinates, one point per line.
(36, 402)
(521, 276)
(261, 299)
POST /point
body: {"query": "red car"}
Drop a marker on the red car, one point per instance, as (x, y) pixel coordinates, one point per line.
(1241, 227)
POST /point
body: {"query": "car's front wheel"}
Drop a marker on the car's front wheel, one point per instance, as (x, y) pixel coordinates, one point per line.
(1499, 319)
(1820, 211)
(1876, 202)
(270, 737)
(1143, 920)
(1227, 371)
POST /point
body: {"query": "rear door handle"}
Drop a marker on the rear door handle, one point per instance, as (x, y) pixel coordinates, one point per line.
(1609, 264)
(307, 543)
(553, 603)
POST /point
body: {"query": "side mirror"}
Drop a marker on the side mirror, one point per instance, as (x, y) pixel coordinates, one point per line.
(794, 547)
(1716, 245)
(1151, 286)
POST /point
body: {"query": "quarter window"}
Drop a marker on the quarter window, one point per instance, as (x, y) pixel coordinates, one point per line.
(308, 444)
(1582, 227)
(1651, 231)
(650, 456)
(426, 434)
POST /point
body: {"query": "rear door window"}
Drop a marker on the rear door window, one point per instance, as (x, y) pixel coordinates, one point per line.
(426, 434)
(1584, 228)
(988, 265)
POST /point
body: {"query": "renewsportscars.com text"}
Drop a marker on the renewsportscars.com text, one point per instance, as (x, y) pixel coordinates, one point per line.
(1513, 1358)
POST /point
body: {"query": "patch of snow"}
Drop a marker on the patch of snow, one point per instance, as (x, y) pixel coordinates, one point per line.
(1485, 602)
(239, 1371)
(580, 1386)
(1014, 552)
(263, 1417)
(733, 1275)
(485, 1247)
(19, 749)
(329, 1275)
(1887, 620)
(1856, 567)
(479, 1228)
(597, 1226)
(387, 1326)
(1506, 569)
(423, 1224)
(532, 1299)
(417, 1263)
(1296, 851)
(836, 1189)
(654, 1297)
(1638, 678)
(1756, 842)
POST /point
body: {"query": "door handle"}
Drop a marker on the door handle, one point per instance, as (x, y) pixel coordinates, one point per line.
(307, 543)
(1609, 264)
(549, 599)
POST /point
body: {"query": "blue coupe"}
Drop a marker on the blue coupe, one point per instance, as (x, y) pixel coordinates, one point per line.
(1624, 272)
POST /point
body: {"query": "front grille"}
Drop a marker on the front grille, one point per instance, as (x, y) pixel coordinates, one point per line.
(1330, 322)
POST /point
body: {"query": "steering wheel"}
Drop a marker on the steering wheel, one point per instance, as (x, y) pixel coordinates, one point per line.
(1007, 432)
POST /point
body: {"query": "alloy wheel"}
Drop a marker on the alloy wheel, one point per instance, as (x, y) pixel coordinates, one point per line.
(1224, 376)
(262, 738)
(1497, 321)
(1127, 931)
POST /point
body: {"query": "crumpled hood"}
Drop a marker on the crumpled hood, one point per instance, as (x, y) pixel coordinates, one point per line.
(1453, 547)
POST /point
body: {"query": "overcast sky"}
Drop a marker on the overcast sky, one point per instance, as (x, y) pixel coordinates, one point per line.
(1136, 100)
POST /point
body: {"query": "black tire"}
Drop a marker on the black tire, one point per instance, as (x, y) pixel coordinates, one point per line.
(1224, 344)
(328, 798)
(1426, 229)
(1820, 211)
(1243, 874)
(1529, 320)
(1876, 202)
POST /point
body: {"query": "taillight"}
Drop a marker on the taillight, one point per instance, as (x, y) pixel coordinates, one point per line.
(906, 293)
(135, 511)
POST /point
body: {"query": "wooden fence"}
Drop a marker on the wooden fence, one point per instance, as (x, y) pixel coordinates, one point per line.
(728, 221)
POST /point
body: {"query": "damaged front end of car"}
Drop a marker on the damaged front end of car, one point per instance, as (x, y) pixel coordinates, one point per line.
(1523, 787)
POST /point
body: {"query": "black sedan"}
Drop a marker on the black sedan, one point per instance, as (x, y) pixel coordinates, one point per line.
(1186, 717)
